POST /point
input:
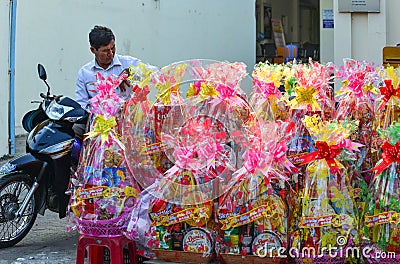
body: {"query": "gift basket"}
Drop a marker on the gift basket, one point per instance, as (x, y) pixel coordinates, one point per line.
(104, 191)
(328, 218)
(355, 101)
(252, 216)
(185, 139)
(381, 223)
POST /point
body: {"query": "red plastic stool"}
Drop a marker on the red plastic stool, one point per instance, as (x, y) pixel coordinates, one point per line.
(95, 248)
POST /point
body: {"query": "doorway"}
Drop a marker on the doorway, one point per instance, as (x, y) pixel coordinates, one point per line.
(300, 25)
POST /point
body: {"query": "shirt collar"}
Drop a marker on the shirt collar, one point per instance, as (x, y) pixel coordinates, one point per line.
(114, 62)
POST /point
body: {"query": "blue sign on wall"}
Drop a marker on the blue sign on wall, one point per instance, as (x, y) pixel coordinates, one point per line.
(327, 23)
(327, 18)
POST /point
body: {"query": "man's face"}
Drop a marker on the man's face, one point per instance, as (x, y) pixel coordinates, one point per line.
(105, 54)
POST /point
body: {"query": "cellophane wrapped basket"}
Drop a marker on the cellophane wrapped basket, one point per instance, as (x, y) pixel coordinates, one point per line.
(104, 191)
(328, 213)
(187, 135)
(381, 223)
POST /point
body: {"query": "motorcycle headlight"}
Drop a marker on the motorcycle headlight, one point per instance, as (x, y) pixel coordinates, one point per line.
(55, 111)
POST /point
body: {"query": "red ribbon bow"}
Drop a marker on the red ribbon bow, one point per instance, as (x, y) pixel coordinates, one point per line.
(324, 151)
(390, 154)
(388, 91)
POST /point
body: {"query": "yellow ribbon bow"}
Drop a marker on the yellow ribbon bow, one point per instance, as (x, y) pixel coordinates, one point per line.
(102, 127)
(306, 96)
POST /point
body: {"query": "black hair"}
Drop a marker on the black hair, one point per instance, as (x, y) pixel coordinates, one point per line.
(100, 36)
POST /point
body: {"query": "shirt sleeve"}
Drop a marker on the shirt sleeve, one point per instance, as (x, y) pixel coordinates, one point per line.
(81, 93)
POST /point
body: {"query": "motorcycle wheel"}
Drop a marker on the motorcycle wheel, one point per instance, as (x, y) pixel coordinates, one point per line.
(13, 189)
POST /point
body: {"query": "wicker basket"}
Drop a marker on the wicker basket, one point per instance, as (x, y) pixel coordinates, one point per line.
(104, 228)
(183, 256)
(238, 259)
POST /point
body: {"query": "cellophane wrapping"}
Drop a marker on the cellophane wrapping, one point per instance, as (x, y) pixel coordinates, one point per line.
(387, 105)
(186, 142)
(104, 190)
(381, 223)
(355, 101)
(253, 215)
(328, 215)
(267, 99)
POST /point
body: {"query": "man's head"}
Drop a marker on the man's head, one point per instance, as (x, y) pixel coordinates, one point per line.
(102, 45)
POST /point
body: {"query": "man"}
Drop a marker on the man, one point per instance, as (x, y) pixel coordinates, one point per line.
(106, 61)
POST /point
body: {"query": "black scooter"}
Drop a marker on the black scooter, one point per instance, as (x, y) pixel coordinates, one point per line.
(38, 180)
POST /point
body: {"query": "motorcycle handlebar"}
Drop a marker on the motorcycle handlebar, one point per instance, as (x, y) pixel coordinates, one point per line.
(49, 97)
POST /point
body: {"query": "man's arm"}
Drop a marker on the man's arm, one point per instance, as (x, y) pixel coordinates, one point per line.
(81, 93)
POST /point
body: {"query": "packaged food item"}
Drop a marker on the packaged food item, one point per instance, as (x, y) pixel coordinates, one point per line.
(198, 240)
(164, 237)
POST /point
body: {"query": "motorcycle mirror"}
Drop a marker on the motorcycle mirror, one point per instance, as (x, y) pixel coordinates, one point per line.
(43, 76)
(42, 72)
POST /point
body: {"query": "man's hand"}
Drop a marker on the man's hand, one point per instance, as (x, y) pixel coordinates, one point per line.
(125, 84)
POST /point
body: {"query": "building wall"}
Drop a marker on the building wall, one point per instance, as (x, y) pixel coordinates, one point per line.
(361, 36)
(55, 33)
(326, 34)
(4, 8)
(392, 22)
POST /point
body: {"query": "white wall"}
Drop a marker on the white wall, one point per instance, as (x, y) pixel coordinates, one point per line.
(326, 34)
(4, 18)
(360, 36)
(55, 33)
(392, 22)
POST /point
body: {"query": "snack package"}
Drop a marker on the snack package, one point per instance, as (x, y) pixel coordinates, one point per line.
(328, 212)
(183, 228)
(381, 223)
(159, 225)
(307, 92)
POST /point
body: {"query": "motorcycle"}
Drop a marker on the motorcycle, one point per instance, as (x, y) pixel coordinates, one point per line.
(38, 180)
